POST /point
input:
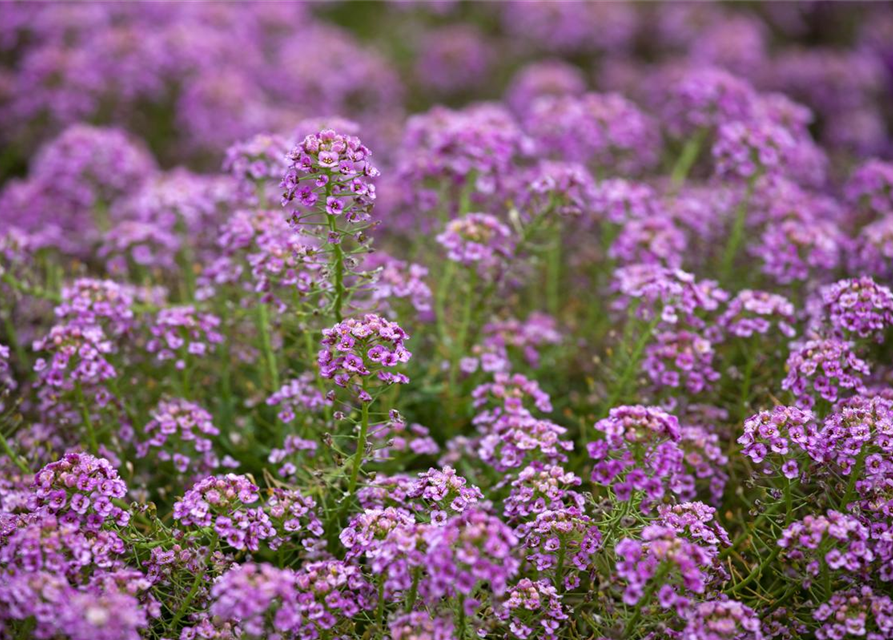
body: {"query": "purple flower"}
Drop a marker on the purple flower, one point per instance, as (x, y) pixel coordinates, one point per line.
(478, 240)
(260, 598)
(533, 609)
(823, 369)
(357, 349)
(859, 308)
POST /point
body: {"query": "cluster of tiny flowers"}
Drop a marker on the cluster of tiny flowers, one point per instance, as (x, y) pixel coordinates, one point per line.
(638, 454)
(859, 308)
(654, 240)
(293, 514)
(508, 394)
(330, 594)
(662, 555)
(858, 612)
(681, 359)
(704, 463)
(400, 437)
(260, 598)
(397, 280)
(747, 149)
(774, 439)
(419, 625)
(80, 489)
(604, 130)
(262, 254)
(477, 240)
(672, 294)
(861, 429)
(357, 349)
(618, 201)
(871, 186)
(221, 502)
(533, 609)
(540, 487)
(564, 535)
(180, 429)
(757, 313)
(705, 98)
(88, 302)
(722, 619)
(792, 250)
(835, 540)
(443, 493)
(823, 369)
(298, 396)
(180, 333)
(516, 439)
(468, 549)
(334, 167)
(565, 188)
(697, 522)
(256, 162)
(76, 355)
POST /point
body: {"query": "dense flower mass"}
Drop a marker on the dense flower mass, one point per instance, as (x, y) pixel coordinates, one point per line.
(645, 255)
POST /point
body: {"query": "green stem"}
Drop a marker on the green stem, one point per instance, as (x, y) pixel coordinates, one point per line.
(413, 590)
(633, 363)
(645, 600)
(855, 472)
(756, 572)
(361, 450)
(196, 583)
(263, 325)
(553, 274)
(687, 158)
(12, 456)
(337, 258)
(85, 416)
(461, 622)
(380, 614)
(737, 233)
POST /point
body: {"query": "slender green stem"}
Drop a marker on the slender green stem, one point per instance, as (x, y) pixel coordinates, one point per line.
(461, 622)
(85, 417)
(380, 614)
(687, 158)
(337, 258)
(413, 590)
(361, 450)
(632, 364)
(12, 455)
(737, 233)
(855, 472)
(645, 600)
(553, 273)
(263, 326)
(196, 583)
(756, 572)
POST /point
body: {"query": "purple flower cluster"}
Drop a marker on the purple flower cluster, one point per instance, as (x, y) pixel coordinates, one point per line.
(181, 432)
(722, 619)
(80, 489)
(533, 609)
(559, 539)
(477, 240)
(775, 439)
(221, 503)
(256, 163)
(681, 359)
(259, 598)
(606, 131)
(469, 549)
(182, 333)
(336, 168)
(639, 455)
(856, 612)
(859, 308)
(680, 567)
(540, 487)
(357, 349)
(835, 541)
(823, 369)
